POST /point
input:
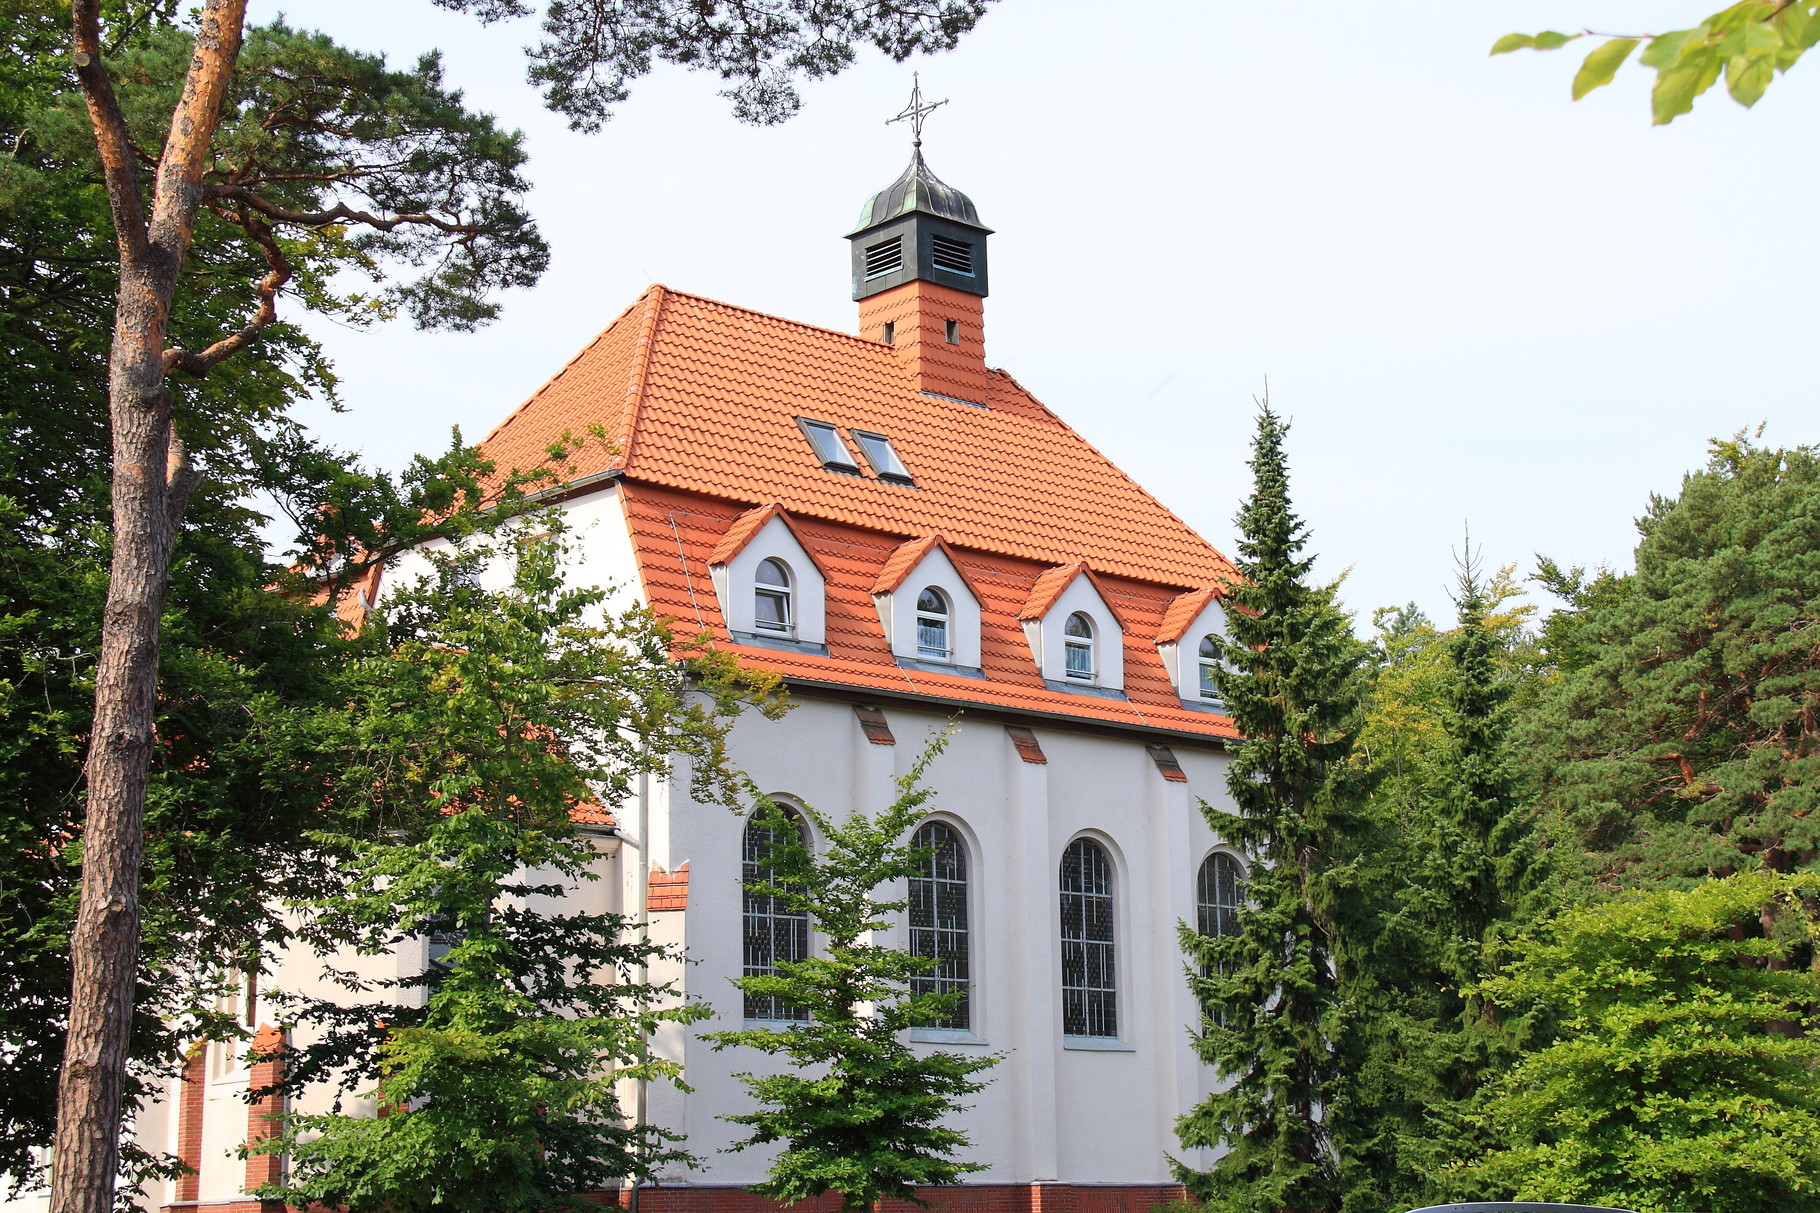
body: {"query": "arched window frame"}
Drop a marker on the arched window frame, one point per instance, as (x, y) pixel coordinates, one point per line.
(934, 626)
(1087, 883)
(940, 917)
(1079, 656)
(1215, 917)
(784, 596)
(770, 932)
(1206, 663)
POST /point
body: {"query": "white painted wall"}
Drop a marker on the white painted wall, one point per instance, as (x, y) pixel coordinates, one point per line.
(1051, 1112)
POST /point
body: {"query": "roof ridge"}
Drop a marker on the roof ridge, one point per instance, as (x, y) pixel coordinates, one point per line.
(801, 324)
(583, 352)
(641, 371)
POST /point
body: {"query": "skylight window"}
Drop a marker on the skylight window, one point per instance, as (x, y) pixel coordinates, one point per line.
(882, 457)
(829, 447)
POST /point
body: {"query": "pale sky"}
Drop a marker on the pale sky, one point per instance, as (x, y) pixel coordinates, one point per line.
(1480, 302)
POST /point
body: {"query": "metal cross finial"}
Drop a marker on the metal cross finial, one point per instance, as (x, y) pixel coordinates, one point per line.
(917, 110)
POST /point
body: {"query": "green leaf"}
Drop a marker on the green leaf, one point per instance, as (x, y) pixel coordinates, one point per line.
(1602, 64)
(1665, 49)
(1677, 87)
(1747, 78)
(1547, 40)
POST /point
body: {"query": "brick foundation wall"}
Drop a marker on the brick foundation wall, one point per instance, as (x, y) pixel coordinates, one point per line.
(966, 1198)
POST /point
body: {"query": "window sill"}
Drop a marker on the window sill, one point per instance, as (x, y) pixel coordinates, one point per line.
(1211, 706)
(944, 1036)
(756, 640)
(1097, 1044)
(770, 1025)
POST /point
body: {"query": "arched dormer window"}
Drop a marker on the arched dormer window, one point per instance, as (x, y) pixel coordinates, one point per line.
(934, 626)
(771, 603)
(1077, 647)
(774, 931)
(939, 927)
(1208, 659)
(1089, 972)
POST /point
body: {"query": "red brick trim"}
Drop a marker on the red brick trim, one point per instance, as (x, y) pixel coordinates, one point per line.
(189, 1120)
(265, 1168)
(667, 890)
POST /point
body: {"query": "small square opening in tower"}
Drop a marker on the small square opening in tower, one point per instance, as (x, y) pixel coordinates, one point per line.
(953, 331)
(889, 335)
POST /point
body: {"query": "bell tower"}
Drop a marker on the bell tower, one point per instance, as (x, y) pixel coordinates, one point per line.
(919, 274)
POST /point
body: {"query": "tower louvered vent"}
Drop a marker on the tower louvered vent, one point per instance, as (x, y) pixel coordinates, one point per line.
(953, 255)
(885, 258)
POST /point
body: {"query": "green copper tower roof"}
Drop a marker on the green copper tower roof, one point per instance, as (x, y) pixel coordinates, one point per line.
(919, 190)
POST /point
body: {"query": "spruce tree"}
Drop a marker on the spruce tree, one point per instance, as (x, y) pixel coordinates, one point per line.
(1467, 861)
(1274, 1011)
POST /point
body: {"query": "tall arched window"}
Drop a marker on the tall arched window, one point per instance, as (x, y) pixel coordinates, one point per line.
(1089, 973)
(774, 932)
(771, 598)
(1209, 660)
(938, 919)
(1077, 647)
(1219, 893)
(934, 631)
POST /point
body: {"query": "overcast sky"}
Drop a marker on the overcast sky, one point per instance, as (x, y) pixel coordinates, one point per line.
(1480, 302)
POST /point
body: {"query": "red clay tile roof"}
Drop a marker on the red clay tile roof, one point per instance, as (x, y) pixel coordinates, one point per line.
(698, 401)
(907, 557)
(1182, 613)
(1048, 588)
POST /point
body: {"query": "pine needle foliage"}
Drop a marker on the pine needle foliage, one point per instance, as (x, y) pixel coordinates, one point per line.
(1684, 736)
(1294, 680)
(859, 1111)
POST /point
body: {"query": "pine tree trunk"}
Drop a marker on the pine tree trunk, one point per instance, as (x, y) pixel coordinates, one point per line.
(148, 485)
(152, 481)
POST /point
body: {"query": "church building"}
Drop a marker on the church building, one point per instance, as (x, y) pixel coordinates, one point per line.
(907, 537)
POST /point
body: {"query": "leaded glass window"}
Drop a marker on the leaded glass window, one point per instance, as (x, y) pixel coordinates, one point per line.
(1219, 893)
(1089, 972)
(938, 920)
(774, 932)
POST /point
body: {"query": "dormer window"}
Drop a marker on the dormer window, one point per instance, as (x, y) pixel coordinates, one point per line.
(1077, 647)
(882, 457)
(934, 639)
(828, 445)
(771, 599)
(1209, 660)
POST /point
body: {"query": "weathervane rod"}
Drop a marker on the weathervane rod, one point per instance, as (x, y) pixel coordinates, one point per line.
(916, 111)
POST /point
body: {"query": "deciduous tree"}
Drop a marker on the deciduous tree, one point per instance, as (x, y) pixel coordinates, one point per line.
(1676, 1082)
(1750, 43)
